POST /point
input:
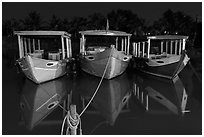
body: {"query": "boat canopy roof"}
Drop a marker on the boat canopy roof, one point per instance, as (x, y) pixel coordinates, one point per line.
(104, 33)
(42, 33)
(167, 37)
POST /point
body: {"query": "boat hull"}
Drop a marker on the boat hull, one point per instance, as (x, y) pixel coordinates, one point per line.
(41, 70)
(96, 64)
(169, 69)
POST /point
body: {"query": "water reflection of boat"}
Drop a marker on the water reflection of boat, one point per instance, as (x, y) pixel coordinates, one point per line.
(157, 96)
(33, 60)
(38, 101)
(110, 99)
(164, 57)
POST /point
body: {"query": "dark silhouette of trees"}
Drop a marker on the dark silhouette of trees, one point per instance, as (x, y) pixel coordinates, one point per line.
(173, 23)
(33, 21)
(96, 21)
(126, 20)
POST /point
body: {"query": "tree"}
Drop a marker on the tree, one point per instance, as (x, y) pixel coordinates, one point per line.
(96, 21)
(55, 23)
(127, 21)
(33, 21)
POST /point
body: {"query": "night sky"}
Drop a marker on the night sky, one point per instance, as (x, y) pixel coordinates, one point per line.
(150, 11)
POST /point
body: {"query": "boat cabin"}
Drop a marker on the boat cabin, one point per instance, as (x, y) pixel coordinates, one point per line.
(51, 45)
(160, 46)
(95, 41)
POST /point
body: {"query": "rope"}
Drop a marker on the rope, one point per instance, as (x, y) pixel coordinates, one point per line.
(97, 86)
(78, 120)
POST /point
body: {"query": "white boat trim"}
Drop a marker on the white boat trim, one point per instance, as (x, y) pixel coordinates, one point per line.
(45, 68)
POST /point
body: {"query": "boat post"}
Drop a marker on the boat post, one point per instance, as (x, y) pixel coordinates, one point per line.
(73, 114)
(147, 102)
(139, 49)
(116, 43)
(25, 45)
(83, 45)
(176, 43)
(125, 45)
(67, 45)
(63, 54)
(29, 47)
(143, 48)
(20, 46)
(70, 47)
(122, 44)
(33, 45)
(148, 48)
(38, 44)
(162, 44)
(128, 45)
(184, 44)
(166, 47)
(171, 47)
(133, 50)
(180, 46)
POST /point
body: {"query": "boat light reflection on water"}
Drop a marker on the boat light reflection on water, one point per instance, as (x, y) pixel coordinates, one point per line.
(38, 101)
(118, 101)
(161, 96)
(111, 98)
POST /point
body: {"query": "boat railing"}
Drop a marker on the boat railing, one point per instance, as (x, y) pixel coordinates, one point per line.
(32, 46)
(144, 49)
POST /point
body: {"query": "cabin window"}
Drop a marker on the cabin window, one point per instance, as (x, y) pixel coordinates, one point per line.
(160, 61)
(51, 64)
(125, 58)
(90, 57)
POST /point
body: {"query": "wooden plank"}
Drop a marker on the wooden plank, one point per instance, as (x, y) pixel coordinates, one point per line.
(63, 54)
(19, 46)
(37, 33)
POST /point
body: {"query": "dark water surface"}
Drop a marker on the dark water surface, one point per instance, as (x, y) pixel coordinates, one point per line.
(133, 103)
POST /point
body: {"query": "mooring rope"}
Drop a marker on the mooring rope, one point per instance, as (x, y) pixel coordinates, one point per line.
(98, 85)
(78, 120)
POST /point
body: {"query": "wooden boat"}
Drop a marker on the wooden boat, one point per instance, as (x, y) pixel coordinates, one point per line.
(111, 98)
(41, 65)
(107, 51)
(161, 96)
(165, 56)
(38, 101)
